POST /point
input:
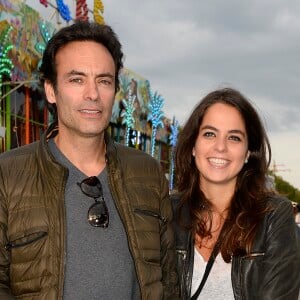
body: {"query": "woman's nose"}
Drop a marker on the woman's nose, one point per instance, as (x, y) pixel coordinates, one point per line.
(221, 144)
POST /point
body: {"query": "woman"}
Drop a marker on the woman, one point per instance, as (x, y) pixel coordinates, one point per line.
(227, 217)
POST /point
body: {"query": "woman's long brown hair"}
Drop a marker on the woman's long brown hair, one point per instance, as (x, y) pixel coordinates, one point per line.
(249, 202)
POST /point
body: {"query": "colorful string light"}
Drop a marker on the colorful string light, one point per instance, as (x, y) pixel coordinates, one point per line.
(41, 46)
(98, 11)
(6, 65)
(173, 141)
(44, 2)
(155, 116)
(81, 10)
(64, 10)
(127, 114)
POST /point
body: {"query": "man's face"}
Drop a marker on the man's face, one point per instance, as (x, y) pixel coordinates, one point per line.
(85, 89)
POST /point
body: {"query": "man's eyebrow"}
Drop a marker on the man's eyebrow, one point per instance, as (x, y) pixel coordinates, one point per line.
(75, 72)
(106, 75)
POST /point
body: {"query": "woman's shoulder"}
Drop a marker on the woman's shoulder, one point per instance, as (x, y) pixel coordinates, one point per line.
(280, 210)
(279, 202)
(181, 218)
(180, 209)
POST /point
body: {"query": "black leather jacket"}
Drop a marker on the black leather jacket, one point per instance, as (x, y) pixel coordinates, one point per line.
(271, 271)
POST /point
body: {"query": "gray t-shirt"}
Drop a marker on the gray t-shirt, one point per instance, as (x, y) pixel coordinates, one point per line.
(99, 264)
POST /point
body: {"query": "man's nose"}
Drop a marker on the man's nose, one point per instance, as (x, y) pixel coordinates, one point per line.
(92, 91)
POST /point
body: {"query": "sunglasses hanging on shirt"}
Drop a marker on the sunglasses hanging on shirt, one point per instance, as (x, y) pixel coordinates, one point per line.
(98, 213)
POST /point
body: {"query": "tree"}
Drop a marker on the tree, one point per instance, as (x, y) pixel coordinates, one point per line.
(285, 188)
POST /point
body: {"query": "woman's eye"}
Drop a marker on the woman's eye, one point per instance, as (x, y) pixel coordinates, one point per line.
(235, 138)
(209, 134)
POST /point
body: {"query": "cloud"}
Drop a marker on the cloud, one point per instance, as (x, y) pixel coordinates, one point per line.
(188, 48)
(184, 48)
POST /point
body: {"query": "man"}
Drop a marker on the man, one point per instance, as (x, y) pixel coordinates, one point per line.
(80, 216)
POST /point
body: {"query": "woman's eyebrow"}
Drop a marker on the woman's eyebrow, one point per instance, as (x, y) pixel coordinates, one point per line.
(236, 131)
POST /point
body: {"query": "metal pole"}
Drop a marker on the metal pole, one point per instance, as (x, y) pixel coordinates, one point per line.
(8, 119)
(27, 116)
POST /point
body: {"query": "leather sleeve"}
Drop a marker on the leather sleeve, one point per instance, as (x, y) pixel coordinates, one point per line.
(282, 255)
(184, 249)
(271, 271)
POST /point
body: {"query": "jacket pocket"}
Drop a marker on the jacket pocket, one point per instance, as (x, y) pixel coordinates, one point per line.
(254, 255)
(248, 272)
(25, 238)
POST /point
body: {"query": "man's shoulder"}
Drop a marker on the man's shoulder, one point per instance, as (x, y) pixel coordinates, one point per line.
(128, 153)
(23, 151)
(134, 162)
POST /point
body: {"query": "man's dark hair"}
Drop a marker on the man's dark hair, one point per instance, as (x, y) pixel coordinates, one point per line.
(79, 31)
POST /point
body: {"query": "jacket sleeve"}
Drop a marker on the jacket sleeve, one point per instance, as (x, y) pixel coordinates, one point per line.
(168, 254)
(281, 278)
(4, 255)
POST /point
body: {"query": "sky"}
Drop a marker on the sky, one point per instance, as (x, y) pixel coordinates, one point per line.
(189, 48)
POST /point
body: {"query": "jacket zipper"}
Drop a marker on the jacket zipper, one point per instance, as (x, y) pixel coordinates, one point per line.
(63, 255)
(13, 244)
(253, 255)
(182, 253)
(151, 214)
(181, 260)
(113, 194)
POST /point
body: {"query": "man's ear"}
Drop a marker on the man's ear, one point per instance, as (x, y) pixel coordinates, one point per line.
(49, 91)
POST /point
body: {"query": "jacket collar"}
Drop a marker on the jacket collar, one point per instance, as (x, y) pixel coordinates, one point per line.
(54, 171)
(47, 157)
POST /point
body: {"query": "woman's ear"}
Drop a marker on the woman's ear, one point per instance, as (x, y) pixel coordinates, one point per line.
(247, 156)
(193, 151)
(49, 91)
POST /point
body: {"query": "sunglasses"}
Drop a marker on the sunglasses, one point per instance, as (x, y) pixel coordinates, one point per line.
(98, 212)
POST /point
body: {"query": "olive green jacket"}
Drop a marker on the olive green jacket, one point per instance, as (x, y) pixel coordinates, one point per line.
(33, 225)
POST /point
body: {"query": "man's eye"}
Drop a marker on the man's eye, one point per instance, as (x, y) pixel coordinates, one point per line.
(76, 80)
(105, 82)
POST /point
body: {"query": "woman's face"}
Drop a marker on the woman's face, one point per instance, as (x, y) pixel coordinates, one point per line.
(221, 147)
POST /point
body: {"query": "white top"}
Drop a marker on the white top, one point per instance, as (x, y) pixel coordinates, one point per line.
(218, 284)
(297, 218)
